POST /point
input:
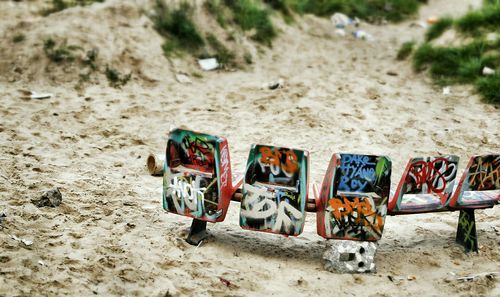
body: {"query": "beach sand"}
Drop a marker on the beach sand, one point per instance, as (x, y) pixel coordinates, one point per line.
(111, 237)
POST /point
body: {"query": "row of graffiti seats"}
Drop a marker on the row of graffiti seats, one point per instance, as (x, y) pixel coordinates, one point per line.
(354, 197)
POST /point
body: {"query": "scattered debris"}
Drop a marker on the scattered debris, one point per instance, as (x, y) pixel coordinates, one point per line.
(420, 24)
(155, 163)
(492, 37)
(471, 277)
(432, 20)
(3, 215)
(340, 20)
(340, 32)
(40, 262)
(183, 78)
(208, 64)
(346, 256)
(26, 243)
(488, 71)
(50, 198)
(399, 278)
(446, 91)
(225, 281)
(360, 34)
(129, 203)
(275, 84)
(26, 94)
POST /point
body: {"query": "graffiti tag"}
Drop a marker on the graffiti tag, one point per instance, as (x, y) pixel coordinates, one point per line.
(484, 174)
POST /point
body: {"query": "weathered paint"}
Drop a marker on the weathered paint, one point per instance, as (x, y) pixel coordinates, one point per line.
(275, 190)
(479, 186)
(197, 180)
(354, 196)
(426, 185)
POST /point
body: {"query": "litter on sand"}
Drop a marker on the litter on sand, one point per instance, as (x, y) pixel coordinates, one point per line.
(26, 94)
(208, 64)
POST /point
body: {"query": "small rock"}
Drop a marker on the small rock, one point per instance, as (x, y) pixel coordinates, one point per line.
(360, 34)
(2, 216)
(50, 198)
(392, 73)
(276, 84)
(183, 78)
(224, 281)
(446, 91)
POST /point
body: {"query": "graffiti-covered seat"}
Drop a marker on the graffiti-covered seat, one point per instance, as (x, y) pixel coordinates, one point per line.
(479, 186)
(353, 200)
(197, 180)
(275, 190)
(426, 185)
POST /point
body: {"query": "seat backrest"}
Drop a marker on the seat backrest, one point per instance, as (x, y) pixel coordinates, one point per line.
(431, 175)
(197, 180)
(481, 179)
(275, 190)
(353, 199)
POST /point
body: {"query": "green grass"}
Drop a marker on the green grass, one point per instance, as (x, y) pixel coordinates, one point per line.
(484, 19)
(59, 53)
(464, 63)
(250, 15)
(438, 28)
(405, 50)
(177, 26)
(115, 78)
(371, 10)
(488, 87)
(59, 5)
(218, 10)
(224, 56)
(19, 37)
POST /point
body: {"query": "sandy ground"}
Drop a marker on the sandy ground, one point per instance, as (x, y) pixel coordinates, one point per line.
(110, 235)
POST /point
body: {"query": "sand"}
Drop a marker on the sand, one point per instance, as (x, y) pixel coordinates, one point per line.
(111, 237)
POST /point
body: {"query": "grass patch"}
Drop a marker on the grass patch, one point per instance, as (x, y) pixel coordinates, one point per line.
(487, 18)
(371, 10)
(249, 15)
(248, 58)
(115, 78)
(59, 53)
(177, 26)
(438, 28)
(488, 87)
(224, 56)
(465, 63)
(20, 37)
(405, 50)
(218, 10)
(59, 5)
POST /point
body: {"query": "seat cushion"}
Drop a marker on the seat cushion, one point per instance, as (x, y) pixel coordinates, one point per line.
(479, 198)
(420, 203)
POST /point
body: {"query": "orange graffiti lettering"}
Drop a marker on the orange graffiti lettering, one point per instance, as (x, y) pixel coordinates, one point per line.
(270, 156)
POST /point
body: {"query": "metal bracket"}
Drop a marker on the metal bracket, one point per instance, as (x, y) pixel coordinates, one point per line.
(197, 232)
(466, 230)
